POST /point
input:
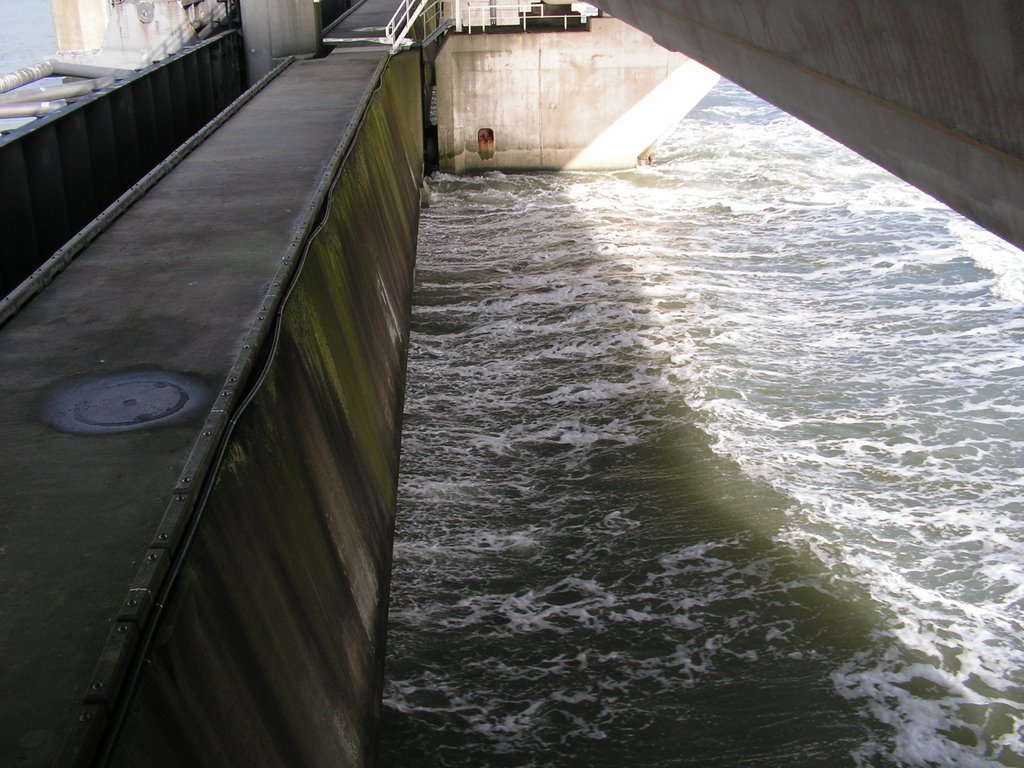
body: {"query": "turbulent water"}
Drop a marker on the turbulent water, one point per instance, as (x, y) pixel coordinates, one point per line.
(712, 463)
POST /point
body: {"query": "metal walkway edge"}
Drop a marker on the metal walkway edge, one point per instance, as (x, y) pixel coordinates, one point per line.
(116, 379)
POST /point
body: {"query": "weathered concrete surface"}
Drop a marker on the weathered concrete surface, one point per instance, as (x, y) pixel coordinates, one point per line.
(80, 25)
(279, 28)
(185, 284)
(364, 24)
(560, 101)
(932, 91)
(272, 649)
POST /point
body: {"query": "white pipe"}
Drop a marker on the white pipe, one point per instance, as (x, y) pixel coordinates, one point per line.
(55, 92)
(25, 75)
(30, 110)
(75, 69)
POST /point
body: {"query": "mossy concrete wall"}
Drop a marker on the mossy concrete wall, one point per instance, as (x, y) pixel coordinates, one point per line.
(270, 650)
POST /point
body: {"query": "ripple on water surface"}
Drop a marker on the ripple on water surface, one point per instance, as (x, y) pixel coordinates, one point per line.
(713, 463)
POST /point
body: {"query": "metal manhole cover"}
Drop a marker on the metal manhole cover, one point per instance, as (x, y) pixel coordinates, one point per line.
(124, 401)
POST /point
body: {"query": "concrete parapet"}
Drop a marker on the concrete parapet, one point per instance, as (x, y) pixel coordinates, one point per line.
(557, 101)
(271, 650)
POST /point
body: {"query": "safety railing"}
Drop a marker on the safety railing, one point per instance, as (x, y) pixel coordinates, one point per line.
(467, 15)
(481, 14)
(433, 12)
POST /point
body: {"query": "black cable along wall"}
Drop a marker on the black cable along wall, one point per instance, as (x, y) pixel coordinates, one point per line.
(270, 650)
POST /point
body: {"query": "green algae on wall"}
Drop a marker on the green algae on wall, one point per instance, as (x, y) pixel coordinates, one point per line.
(270, 651)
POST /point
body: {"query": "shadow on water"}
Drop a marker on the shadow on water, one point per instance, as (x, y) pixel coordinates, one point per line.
(579, 579)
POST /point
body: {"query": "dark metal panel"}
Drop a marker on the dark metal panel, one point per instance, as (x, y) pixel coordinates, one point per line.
(150, 153)
(76, 170)
(126, 137)
(106, 177)
(205, 84)
(164, 135)
(46, 182)
(233, 54)
(218, 71)
(330, 10)
(179, 101)
(18, 244)
(190, 73)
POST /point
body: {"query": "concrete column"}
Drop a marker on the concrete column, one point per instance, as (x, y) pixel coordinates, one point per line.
(80, 24)
(274, 29)
(587, 100)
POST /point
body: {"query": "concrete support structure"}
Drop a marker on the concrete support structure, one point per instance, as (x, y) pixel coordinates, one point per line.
(931, 91)
(80, 24)
(277, 28)
(554, 101)
(134, 33)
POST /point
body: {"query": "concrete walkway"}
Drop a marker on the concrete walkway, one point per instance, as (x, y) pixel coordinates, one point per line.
(116, 381)
(363, 25)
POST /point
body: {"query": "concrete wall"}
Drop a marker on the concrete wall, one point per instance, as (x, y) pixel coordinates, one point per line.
(80, 25)
(929, 90)
(274, 29)
(270, 650)
(580, 100)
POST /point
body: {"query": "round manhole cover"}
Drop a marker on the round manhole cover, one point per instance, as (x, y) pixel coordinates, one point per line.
(124, 401)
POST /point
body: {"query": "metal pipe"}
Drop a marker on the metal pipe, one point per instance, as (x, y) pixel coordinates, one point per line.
(25, 75)
(55, 92)
(30, 109)
(74, 69)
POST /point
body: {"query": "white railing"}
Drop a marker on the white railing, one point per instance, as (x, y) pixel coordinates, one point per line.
(490, 14)
(480, 14)
(396, 33)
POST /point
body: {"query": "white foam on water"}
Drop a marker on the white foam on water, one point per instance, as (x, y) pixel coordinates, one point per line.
(841, 337)
(886, 398)
(993, 255)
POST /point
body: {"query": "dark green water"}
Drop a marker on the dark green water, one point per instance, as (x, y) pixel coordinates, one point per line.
(714, 463)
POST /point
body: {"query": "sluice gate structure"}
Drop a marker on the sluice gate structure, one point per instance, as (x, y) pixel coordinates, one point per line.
(202, 343)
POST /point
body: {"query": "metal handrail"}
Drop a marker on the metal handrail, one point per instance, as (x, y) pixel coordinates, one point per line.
(525, 12)
(409, 11)
(397, 30)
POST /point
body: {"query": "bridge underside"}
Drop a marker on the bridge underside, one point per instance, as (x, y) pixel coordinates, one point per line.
(930, 91)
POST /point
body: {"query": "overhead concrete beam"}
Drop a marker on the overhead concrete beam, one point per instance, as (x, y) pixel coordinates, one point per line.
(931, 91)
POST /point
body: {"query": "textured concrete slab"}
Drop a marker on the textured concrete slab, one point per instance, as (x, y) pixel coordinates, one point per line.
(364, 25)
(108, 379)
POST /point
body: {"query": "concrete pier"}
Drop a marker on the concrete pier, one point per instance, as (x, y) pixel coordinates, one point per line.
(584, 100)
(272, 267)
(80, 25)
